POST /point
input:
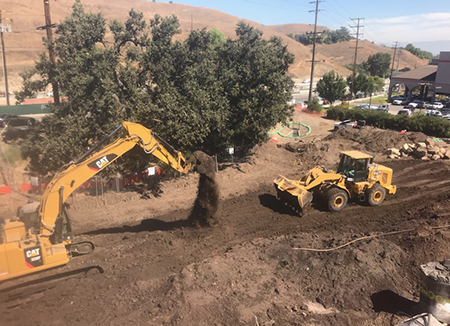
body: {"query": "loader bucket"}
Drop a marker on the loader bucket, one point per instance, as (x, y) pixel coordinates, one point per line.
(291, 193)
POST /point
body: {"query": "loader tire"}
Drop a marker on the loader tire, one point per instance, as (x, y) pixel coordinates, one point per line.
(336, 199)
(376, 195)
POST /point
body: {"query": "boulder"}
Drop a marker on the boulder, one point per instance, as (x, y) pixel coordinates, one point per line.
(393, 157)
(443, 150)
(392, 151)
(421, 144)
(435, 157)
(429, 142)
(420, 152)
(425, 158)
(433, 150)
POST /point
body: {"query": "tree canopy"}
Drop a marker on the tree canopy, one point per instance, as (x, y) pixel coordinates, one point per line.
(418, 52)
(378, 64)
(205, 92)
(327, 37)
(331, 87)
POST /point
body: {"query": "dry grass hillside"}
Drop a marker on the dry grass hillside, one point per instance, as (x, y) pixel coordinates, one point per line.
(343, 53)
(25, 42)
(297, 28)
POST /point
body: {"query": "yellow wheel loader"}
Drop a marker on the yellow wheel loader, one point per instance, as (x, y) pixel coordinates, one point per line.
(357, 178)
(41, 237)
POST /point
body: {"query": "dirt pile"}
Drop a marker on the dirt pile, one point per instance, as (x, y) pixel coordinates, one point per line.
(207, 201)
(376, 140)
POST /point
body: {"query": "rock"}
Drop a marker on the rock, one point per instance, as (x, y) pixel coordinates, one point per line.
(420, 144)
(412, 145)
(429, 142)
(419, 152)
(404, 154)
(446, 156)
(425, 158)
(435, 157)
(392, 151)
(433, 150)
(393, 157)
(443, 150)
(406, 147)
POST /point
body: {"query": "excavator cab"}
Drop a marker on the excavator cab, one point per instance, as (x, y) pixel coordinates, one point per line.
(354, 165)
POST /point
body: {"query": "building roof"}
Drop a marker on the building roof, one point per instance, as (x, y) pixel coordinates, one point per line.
(357, 154)
(425, 73)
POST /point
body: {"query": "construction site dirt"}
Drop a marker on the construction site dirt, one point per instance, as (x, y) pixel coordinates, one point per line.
(161, 270)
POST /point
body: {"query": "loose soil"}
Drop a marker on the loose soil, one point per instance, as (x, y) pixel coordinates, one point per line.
(161, 270)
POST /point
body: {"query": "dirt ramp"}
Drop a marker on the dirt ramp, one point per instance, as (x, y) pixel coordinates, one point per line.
(207, 201)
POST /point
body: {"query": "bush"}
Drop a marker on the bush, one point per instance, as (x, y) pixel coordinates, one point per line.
(314, 105)
(431, 126)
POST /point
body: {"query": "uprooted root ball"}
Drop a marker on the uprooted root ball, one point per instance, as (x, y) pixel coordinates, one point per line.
(207, 201)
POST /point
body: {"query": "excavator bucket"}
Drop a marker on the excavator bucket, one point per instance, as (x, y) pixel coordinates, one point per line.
(292, 194)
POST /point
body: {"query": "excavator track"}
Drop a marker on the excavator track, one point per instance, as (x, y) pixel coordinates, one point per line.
(25, 292)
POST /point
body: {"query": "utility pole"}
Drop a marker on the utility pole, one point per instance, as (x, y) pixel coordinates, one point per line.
(393, 59)
(398, 59)
(51, 50)
(358, 26)
(314, 48)
(4, 28)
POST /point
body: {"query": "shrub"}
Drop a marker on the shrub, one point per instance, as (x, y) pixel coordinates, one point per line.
(431, 126)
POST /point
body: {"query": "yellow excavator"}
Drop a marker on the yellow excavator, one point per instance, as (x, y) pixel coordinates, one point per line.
(357, 177)
(41, 237)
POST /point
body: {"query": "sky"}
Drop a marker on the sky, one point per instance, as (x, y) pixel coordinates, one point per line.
(419, 22)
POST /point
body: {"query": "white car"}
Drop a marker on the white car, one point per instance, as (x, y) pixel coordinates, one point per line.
(434, 113)
(437, 105)
(405, 111)
(306, 81)
(400, 101)
(413, 105)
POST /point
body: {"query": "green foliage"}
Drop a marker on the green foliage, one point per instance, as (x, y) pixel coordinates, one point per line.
(331, 86)
(378, 64)
(361, 81)
(315, 105)
(326, 37)
(203, 93)
(418, 52)
(431, 126)
(216, 37)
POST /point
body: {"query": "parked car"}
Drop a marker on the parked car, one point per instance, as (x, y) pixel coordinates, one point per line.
(401, 101)
(306, 81)
(434, 113)
(383, 107)
(345, 124)
(15, 120)
(405, 111)
(413, 105)
(436, 105)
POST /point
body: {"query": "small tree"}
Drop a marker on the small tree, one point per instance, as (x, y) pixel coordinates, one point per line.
(315, 105)
(378, 64)
(331, 87)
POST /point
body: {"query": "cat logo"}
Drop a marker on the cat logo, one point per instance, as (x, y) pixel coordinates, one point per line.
(33, 253)
(102, 162)
(33, 257)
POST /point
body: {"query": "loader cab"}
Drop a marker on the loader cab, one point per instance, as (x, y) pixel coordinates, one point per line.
(355, 165)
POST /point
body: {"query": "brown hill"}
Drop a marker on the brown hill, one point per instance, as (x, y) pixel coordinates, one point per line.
(24, 44)
(297, 28)
(343, 53)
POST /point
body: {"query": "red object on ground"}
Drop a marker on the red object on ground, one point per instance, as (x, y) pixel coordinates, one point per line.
(5, 190)
(25, 187)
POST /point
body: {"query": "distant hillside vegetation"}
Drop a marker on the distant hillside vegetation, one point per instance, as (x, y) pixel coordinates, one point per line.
(24, 44)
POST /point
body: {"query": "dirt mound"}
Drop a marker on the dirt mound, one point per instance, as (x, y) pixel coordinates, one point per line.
(376, 140)
(207, 201)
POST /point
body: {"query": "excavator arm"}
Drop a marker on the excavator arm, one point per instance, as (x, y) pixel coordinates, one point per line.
(74, 174)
